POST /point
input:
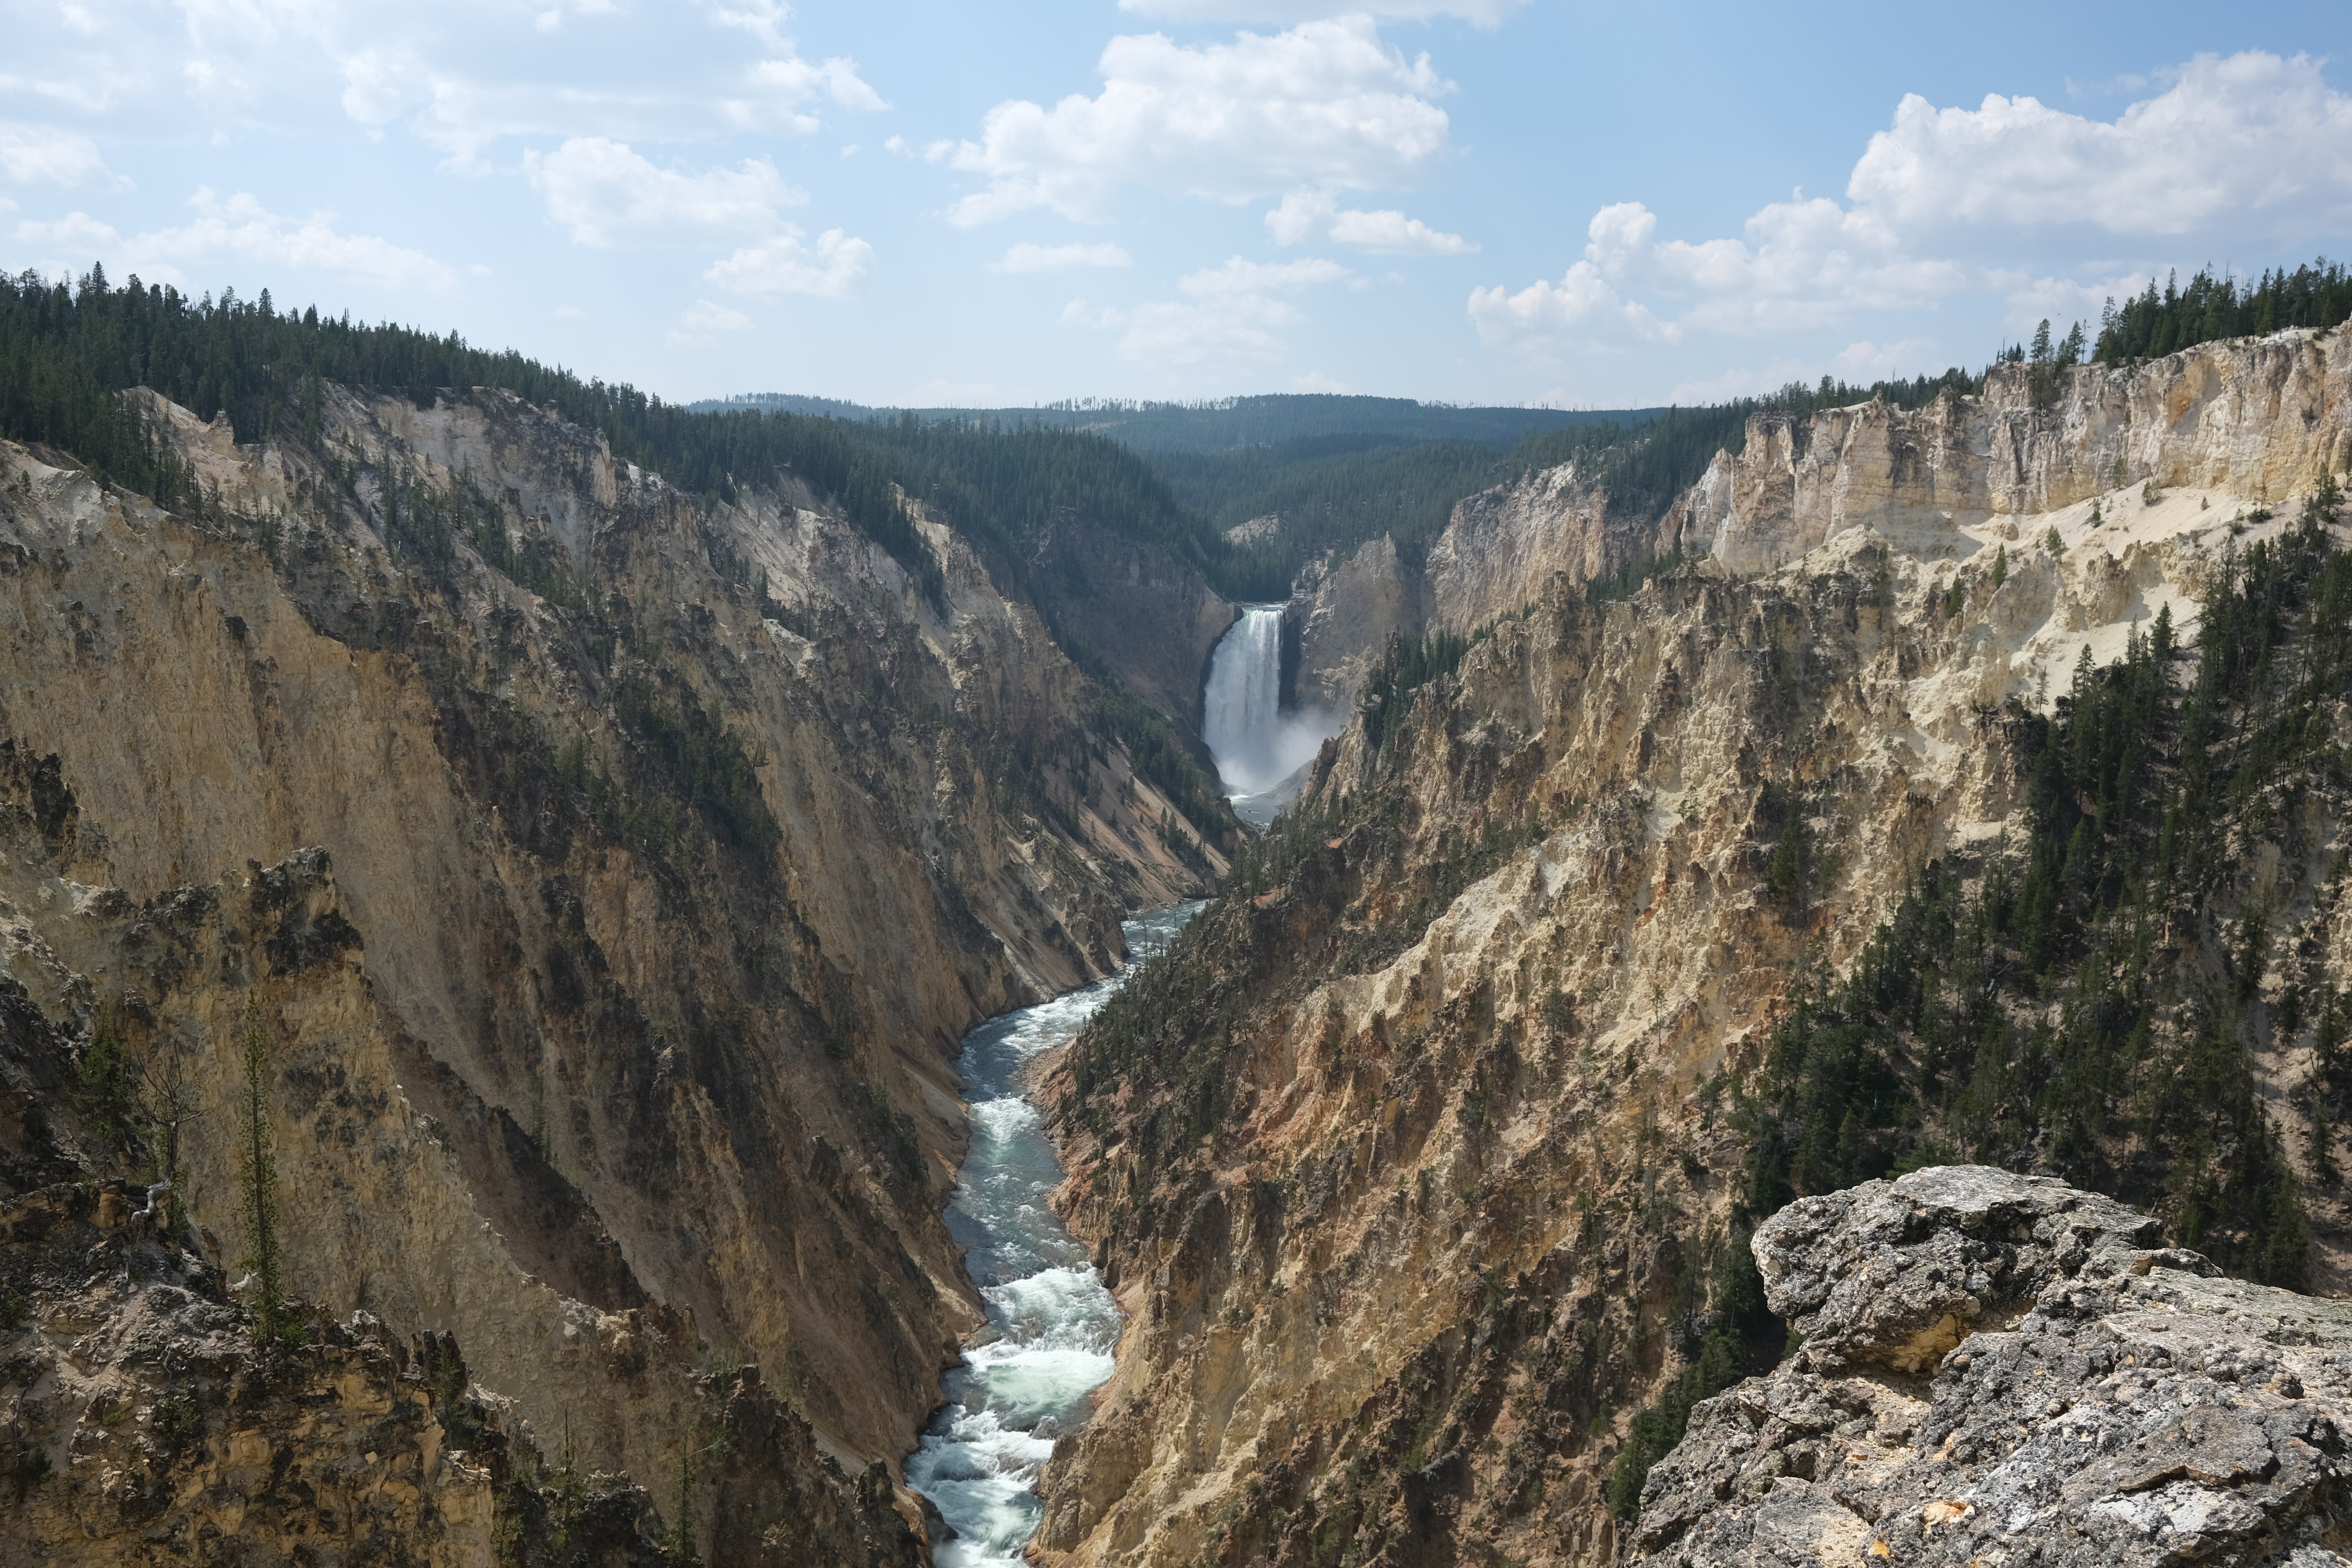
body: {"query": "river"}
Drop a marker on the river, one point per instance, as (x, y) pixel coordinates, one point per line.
(1026, 1378)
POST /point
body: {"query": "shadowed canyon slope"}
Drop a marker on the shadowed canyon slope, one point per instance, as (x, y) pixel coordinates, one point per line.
(1423, 1165)
(616, 870)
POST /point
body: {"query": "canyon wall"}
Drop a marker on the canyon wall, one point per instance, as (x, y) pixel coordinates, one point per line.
(1405, 1162)
(1134, 606)
(2260, 420)
(1502, 547)
(2256, 421)
(611, 925)
(1344, 615)
(1498, 553)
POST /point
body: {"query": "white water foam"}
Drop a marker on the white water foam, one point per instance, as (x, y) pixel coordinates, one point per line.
(1052, 1325)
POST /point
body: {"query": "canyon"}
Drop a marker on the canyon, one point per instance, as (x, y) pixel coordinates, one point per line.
(1412, 1167)
(612, 934)
(617, 871)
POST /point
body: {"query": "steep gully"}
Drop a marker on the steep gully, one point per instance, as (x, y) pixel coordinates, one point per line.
(1027, 1377)
(567, 1064)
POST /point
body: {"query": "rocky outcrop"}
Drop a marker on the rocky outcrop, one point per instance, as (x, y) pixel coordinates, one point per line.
(2255, 420)
(142, 1418)
(1502, 547)
(612, 924)
(1343, 616)
(1998, 1367)
(147, 1419)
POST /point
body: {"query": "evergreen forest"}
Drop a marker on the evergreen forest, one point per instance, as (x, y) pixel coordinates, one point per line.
(66, 352)
(1336, 470)
(1227, 423)
(2091, 1001)
(2317, 295)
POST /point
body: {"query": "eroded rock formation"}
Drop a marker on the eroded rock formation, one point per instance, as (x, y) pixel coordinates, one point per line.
(2257, 421)
(2000, 1368)
(2262, 419)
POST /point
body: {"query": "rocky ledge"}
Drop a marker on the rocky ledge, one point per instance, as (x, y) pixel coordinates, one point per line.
(1997, 1370)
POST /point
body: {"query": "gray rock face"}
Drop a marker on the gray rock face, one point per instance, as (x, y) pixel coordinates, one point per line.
(2001, 1370)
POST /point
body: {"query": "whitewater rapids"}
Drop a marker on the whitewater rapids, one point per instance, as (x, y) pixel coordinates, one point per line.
(1025, 1380)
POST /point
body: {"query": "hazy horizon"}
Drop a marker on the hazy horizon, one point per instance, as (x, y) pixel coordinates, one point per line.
(1488, 202)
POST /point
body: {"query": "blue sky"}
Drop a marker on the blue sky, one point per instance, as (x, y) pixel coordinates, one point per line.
(1490, 201)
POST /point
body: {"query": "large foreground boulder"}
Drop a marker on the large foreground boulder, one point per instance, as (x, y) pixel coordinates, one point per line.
(1998, 1370)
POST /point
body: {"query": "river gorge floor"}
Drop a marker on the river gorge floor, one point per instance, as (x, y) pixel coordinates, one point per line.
(1028, 1378)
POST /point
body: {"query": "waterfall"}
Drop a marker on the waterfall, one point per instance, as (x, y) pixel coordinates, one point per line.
(1242, 712)
(1260, 748)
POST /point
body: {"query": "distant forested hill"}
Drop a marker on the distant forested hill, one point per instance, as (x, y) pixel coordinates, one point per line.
(1225, 424)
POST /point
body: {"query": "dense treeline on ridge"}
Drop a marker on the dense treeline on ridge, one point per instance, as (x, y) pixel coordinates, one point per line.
(1227, 423)
(67, 355)
(2209, 309)
(1337, 469)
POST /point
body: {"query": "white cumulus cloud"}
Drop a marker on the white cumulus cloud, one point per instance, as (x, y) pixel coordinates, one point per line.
(1952, 202)
(1234, 310)
(706, 317)
(2233, 139)
(785, 264)
(604, 194)
(799, 79)
(466, 80)
(1028, 257)
(1306, 216)
(703, 319)
(1237, 277)
(1326, 104)
(42, 155)
(1583, 302)
(236, 230)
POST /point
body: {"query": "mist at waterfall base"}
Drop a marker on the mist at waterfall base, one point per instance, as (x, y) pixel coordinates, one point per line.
(1026, 1378)
(1262, 749)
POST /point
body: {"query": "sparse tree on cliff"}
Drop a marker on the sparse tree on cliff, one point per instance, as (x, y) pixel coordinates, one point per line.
(678, 1549)
(257, 1164)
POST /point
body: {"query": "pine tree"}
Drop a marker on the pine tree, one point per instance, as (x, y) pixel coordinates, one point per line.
(257, 1164)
